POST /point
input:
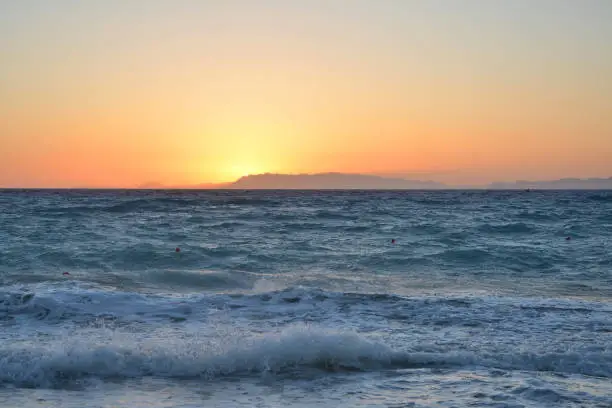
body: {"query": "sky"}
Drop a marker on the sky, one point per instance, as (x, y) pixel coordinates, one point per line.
(118, 93)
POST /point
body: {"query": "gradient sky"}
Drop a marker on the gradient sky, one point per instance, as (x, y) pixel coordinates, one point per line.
(116, 93)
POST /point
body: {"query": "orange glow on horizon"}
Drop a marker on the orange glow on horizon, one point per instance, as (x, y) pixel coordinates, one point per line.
(109, 95)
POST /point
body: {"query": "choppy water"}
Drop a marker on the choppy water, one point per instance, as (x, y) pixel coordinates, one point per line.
(300, 299)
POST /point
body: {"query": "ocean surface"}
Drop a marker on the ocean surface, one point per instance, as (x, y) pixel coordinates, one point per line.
(302, 299)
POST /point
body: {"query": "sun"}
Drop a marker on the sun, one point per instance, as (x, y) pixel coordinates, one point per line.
(234, 171)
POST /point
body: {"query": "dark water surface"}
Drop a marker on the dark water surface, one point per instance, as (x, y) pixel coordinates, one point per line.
(301, 299)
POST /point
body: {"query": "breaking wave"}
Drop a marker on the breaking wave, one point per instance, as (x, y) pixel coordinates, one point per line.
(122, 355)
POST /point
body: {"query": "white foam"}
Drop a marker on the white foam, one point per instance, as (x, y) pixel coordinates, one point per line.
(104, 353)
(123, 355)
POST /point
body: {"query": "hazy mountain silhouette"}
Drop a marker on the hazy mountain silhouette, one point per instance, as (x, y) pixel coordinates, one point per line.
(151, 185)
(329, 181)
(561, 184)
(343, 181)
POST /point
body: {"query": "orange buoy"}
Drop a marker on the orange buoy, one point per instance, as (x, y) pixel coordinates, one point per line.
(393, 241)
(177, 249)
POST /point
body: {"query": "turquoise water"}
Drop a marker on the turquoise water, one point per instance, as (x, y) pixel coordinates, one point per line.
(302, 299)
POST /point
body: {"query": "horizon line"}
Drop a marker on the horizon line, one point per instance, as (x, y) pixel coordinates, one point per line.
(450, 188)
(520, 184)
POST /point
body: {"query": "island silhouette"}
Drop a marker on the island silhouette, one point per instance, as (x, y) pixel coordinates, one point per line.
(345, 181)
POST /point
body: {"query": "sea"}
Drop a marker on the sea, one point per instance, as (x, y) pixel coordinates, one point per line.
(126, 298)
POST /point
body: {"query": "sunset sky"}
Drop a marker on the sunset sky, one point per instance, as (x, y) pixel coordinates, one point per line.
(117, 93)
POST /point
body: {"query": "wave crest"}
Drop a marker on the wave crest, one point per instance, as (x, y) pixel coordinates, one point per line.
(123, 355)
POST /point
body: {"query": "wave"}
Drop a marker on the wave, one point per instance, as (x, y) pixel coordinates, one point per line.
(298, 226)
(597, 364)
(603, 197)
(471, 256)
(126, 206)
(149, 204)
(334, 215)
(251, 295)
(131, 257)
(431, 201)
(199, 279)
(87, 306)
(247, 201)
(111, 355)
(71, 210)
(508, 228)
(154, 204)
(225, 224)
(126, 357)
(539, 215)
(427, 228)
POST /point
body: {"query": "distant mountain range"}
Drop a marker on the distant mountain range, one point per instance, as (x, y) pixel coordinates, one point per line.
(343, 181)
(330, 181)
